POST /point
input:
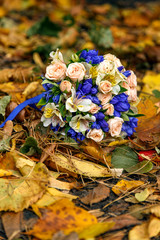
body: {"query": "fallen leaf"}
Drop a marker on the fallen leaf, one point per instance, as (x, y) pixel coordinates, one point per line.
(3, 104)
(17, 194)
(30, 89)
(143, 195)
(51, 196)
(95, 230)
(124, 157)
(154, 227)
(154, 210)
(139, 232)
(83, 167)
(141, 167)
(96, 195)
(64, 216)
(61, 236)
(124, 186)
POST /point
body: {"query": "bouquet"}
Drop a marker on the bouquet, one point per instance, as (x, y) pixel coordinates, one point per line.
(92, 96)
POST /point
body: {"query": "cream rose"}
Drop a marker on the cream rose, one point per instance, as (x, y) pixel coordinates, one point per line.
(56, 71)
(94, 108)
(106, 67)
(132, 80)
(113, 58)
(110, 109)
(95, 134)
(115, 126)
(104, 98)
(76, 71)
(126, 86)
(65, 86)
(132, 94)
(105, 86)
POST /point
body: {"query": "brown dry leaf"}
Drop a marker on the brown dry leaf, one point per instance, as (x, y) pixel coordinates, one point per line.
(96, 195)
(115, 236)
(93, 149)
(124, 186)
(139, 232)
(149, 132)
(63, 215)
(54, 183)
(154, 210)
(18, 74)
(61, 236)
(122, 221)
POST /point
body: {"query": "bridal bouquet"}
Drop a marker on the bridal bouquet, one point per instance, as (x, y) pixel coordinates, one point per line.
(92, 96)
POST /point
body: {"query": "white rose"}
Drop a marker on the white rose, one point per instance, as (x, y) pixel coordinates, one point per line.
(106, 67)
(95, 134)
(113, 58)
(115, 126)
(56, 71)
(76, 71)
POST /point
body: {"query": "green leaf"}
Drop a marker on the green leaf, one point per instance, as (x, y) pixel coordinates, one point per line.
(156, 93)
(44, 27)
(124, 157)
(41, 102)
(30, 147)
(125, 117)
(135, 115)
(141, 167)
(101, 36)
(122, 90)
(44, 50)
(3, 104)
(4, 144)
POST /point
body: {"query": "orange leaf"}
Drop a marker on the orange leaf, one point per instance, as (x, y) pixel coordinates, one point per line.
(125, 185)
(64, 216)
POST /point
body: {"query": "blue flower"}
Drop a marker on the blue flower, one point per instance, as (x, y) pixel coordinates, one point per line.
(116, 113)
(94, 90)
(104, 125)
(122, 106)
(71, 133)
(120, 68)
(95, 125)
(80, 136)
(56, 98)
(79, 94)
(86, 87)
(91, 56)
(99, 115)
(48, 95)
(128, 126)
(121, 97)
(55, 129)
(96, 100)
(127, 73)
(120, 103)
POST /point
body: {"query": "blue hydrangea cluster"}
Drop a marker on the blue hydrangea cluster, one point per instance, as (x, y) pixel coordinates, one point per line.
(80, 112)
(91, 56)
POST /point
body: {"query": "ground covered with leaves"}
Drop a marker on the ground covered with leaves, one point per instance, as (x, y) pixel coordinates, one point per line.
(53, 188)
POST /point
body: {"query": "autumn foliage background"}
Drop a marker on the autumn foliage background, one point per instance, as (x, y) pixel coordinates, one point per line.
(47, 185)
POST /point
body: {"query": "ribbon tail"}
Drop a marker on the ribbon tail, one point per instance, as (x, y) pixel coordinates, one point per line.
(21, 106)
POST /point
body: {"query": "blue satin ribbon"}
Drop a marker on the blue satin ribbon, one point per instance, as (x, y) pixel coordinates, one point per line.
(31, 102)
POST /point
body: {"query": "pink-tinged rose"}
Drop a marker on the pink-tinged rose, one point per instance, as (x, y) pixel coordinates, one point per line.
(113, 58)
(110, 109)
(76, 71)
(132, 94)
(115, 126)
(126, 86)
(132, 80)
(105, 86)
(94, 108)
(95, 134)
(104, 98)
(56, 71)
(65, 86)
